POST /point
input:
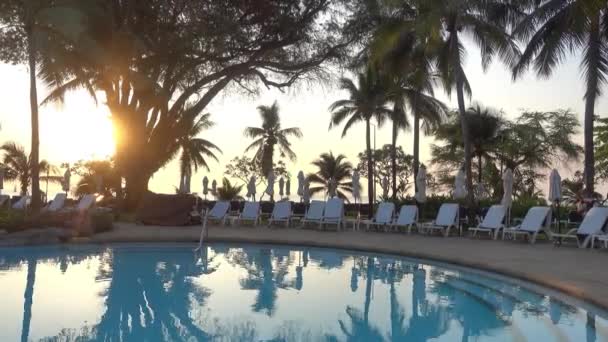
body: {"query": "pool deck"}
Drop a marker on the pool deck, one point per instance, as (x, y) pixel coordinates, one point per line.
(579, 273)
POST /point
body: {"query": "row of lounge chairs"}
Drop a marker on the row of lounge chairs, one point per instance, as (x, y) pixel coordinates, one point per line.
(56, 205)
(536, 221)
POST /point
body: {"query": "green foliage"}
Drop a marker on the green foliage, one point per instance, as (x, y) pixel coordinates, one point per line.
(331, 167)
(18, 166)
(382, 167)
(522, 204)
(93, 171)
(243, 168)
(268, 136)
(229, 192)
(601, 148)
(12, 220)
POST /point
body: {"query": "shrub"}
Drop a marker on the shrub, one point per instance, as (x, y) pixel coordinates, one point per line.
(101, 221)
(12, 220)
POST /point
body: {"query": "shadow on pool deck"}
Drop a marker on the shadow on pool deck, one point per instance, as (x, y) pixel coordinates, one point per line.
(580, 273)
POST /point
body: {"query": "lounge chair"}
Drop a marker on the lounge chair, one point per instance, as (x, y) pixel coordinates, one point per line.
(219, 212)
(56, 204)
(314, 214)
(592, 225)
(334, 213)
(447, 218)
(250, 213)
(383, 217)
(537, 220)
(408, 217)
(492, 223)
(281, 213)
(22, 203)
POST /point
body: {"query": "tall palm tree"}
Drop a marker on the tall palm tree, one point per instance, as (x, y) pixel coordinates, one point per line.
(485, 125)
(550, 30)
(269, 135)
(195, 149)
(444, 23)
(330, 167)
(367, 100)
(18, 165)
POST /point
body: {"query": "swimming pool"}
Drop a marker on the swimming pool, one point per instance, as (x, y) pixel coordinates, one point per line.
(269, 293)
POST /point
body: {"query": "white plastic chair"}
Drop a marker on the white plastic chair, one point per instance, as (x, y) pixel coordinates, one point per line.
(383, 217)
(314, 214)
(447, 218)
(492, 223)
(281, 213)
(408, 217)
(536, 220)
(591, 227)
(86, 202)
(22, 203)
(250, 213)
(219, 212)
(334, 213)
(57, 203)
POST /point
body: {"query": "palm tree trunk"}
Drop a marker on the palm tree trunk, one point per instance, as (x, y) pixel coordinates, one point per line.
(464, 126)
(34, 156)
(416, 148)
(594, 54)
(394, 160)
(28, 300)
(370, 169)
(479, 168)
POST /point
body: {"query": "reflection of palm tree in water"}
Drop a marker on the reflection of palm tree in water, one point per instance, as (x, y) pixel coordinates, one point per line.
(28, 299)
(262, 277)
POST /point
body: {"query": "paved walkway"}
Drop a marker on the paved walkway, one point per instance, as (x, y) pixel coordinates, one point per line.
(580, 273)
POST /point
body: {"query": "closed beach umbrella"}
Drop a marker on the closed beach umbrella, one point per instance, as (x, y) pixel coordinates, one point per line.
(555, 186)
(281, 186)
(288, 187)
(356, 186)
(66, 180)
(421, 185)
(270, 187)
(251, 188)
(507, 185)
(385, 186)
(214, 187)
(300, 183)
(205, 185)
(331, 187)
(460, 191)
(481, 191)
(306, 192)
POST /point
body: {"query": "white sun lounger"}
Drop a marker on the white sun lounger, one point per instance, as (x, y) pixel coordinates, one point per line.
(408, 217)
(57, 203)
(334, 213)
(537, 220)
(592, 225)
(22, 203)
(383, 217)
(281, 213)
(86, 202)
(314, 214)
(219, 212)
(250, 213)
(492, 223)
(447, 218)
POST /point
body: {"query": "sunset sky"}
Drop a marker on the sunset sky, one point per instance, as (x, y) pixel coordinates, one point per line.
(80, 129)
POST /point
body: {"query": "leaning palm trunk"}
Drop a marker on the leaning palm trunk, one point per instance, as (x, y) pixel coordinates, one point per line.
(394, 160)
(593, 54)
(370, 169)
(34, 157)
(416, 147)
(465, 137)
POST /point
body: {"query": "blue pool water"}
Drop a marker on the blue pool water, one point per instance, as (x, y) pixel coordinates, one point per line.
(268, 293)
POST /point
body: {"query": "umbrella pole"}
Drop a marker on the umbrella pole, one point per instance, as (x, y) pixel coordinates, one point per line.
(559, 226)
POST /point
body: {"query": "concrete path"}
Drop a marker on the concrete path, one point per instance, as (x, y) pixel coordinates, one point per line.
(580, 273)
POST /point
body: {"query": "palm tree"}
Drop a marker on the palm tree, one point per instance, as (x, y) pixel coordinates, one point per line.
(229, 192)
(330, 167)
(485, 125)
(269, 135)
(18, 166)
(195, 149)
(443, 24)
(556, 26)
(366, 100)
